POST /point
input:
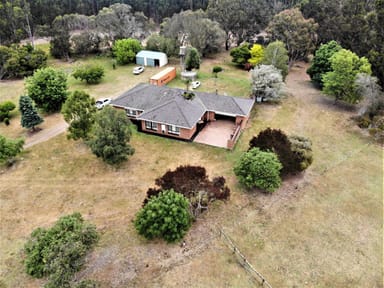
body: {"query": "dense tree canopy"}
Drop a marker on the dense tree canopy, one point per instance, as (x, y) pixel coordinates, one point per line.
(79, 112)
(340, 82)
(202, 33)
(20, 61)
(125, 50)
(321, 63)
(48, 88)
(297, 33)
(111, 135)
(163, 44)
(239, 19)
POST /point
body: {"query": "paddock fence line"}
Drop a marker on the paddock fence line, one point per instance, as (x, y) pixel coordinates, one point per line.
(255, 275)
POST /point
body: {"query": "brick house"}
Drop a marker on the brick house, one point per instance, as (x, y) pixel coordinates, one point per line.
(163, 110)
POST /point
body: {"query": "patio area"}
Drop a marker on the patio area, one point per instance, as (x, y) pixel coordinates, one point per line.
(216, 133)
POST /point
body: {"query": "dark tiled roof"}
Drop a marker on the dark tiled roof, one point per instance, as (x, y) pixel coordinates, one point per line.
(167, 105)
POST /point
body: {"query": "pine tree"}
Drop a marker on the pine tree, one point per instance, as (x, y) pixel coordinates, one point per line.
(29, 116)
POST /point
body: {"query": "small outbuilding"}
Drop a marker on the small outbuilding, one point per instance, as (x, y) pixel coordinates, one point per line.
(163, 77)
(151, 58)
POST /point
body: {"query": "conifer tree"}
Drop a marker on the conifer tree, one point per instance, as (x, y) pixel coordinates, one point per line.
(29, 116)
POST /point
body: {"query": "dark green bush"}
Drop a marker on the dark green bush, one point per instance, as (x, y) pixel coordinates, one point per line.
(164, 216)
(9, 149)
(6, 121)
(259, 169)
(21, 61)
(5, 108)
(58, 252)
(90, 74)
(294, 152)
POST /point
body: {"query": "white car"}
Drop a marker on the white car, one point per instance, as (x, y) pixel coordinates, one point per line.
(137, 70)
(100, 103)
(195, 84)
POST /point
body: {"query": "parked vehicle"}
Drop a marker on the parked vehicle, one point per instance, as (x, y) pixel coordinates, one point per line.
(138, 70)
(195, 84)
(100, 103)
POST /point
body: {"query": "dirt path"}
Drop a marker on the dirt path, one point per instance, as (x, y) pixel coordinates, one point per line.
(55, 125)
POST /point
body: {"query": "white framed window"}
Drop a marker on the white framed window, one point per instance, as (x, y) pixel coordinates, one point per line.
(150, 125)
(131, 112)
(172, 129)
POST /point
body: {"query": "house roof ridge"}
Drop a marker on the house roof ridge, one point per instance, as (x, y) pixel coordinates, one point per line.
(181, 112)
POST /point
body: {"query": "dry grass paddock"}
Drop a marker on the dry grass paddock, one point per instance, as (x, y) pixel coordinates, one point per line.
(320, 229)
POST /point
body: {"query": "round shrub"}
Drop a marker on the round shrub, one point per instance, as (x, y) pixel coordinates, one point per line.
(59, 252)
(164, 216)
(90, 74)
(260, 169)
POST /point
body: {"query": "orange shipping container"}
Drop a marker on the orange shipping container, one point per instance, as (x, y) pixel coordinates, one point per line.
(163, 77)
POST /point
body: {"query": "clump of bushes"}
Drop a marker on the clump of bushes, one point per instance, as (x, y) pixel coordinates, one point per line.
(5, 108)
(180, 196)
(259, 169)
(294, 152)
(194, 184)
(90, 74)
(59, 252)
(9, 148)
(165, 215)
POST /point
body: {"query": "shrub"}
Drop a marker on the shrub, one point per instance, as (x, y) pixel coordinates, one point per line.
(241, 54)
(6, 121)
(90, 74)
(9, 149)
(59, 252)
(260, 169)
(164, 216)
(216, 69)
(5, 108)
(302, 151)
(194, 184)
(294, 152)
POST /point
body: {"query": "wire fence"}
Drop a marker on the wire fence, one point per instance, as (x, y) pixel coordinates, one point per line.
(256, 276)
